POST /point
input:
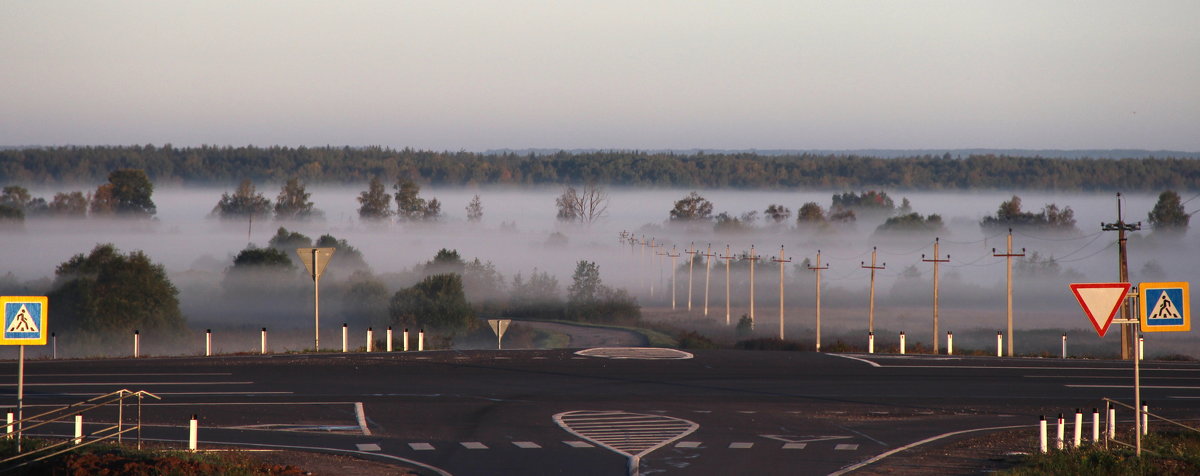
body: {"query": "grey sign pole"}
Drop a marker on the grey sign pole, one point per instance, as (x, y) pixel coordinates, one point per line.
(315, 260)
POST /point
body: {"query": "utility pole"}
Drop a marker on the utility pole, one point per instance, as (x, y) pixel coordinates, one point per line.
(660, 255)
(691, 251)
(871, 312)
(935, 260)
(818, 269)
(674, 272)
(781, 260)
(1008, 256)
(1128, 339)
(708, 256)
(752, 257)
(728, 258)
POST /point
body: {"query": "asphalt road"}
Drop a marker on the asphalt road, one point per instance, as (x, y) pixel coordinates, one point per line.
(494, 412)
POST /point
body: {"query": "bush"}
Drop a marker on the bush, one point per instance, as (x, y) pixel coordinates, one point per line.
(696, 341)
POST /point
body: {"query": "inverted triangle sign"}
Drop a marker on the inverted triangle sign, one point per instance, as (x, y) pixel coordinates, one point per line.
(1100, 301)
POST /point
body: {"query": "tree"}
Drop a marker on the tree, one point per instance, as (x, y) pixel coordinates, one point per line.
(585, 205)
(262, 258)
(244, 203)
(912, 223)
(347, 258)
(870, 202)
(15, 196)
(445, 261)
(375, 204)
(73, 205)
(810, 214)
(1009, 215)
(410, 205)
(437, 302)
(292, 202)
(108, 295)
(1168, 216)
(588, 299)
(585, 283)
(692, 207)
(536, 298)
(777, 213)
(475, 210)
(126, 194)
(287, 241)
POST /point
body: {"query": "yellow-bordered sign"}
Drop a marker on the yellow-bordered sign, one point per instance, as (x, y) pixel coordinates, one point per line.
(1165, 307)
(24, 320)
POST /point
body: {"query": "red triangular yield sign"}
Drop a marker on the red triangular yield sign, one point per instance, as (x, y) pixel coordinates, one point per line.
(1100, 301)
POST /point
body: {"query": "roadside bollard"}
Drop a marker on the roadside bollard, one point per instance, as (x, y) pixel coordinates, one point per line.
(1042, 435)
(1062, 432)
(78, 429)
(370, 339)
(389, 339)
(999, 344)
(263, 343)
(1079, 427)
(137, 343)
(345, 337)
(53, 346)
(1145, 418)
(193, 427)
(406, 339)
(207, 342)
(1141, 347)
(949, 343)
(421, 341)
(901, 342)
(1112, 423)
(1064, 346)
(870, 342)
(1095, 426)
(9, 428)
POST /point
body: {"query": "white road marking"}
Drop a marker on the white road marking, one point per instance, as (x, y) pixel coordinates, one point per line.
(873, 364)
(361, 416)
(119, 384)
(846, 447)
(794, 446)
(578, 444)
(1107, 377)
(688, 444)
(368, 447)
(1170, 387)
(421, 446)
(741, 445)
(473, 445)
(137, 374)
(639, 353)
(633, 435)
(885, 454)
(528, 445)
(161, 394)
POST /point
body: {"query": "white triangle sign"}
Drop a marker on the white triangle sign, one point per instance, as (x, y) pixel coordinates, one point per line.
(23, 322)
(1100, 301)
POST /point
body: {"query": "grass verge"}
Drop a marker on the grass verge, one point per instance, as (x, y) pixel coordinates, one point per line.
(1168, 453)
(110, 459)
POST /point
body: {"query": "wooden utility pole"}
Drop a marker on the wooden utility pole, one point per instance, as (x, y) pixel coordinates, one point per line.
(691, 251)
(674, 272)
(1008, 256)
(752, 257)
(1128, 339)
(871, 311)
(659, 254)
(708, 256)
(781, 260)
(818, 269)
(935, 260)
(728, 258)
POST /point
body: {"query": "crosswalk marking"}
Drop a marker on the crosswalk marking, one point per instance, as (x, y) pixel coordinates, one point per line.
(846, 447)
(627, 440)
(526, 445)
(578, 444)
(474, 445)
(421, 446)
(688, 444)
(794, 446)
(741, 445)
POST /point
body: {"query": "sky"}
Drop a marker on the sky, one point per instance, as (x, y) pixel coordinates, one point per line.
(617, 74)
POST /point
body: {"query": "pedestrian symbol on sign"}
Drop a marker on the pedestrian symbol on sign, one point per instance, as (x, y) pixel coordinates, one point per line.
(22, 322)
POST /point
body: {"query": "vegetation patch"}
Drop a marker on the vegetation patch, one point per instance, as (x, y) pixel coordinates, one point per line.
(1162, 453)
(102, 460)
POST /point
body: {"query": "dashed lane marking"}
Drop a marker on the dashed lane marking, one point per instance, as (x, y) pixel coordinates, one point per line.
(526, 445)
(794, 446)
(846, 447)
(688, 444)
(741, 445)
(474, 445)
(368, 447)
(578, 444)
(421, 446)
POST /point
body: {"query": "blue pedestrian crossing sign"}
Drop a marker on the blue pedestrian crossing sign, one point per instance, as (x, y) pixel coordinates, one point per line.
(1165, 307)
(24, 320)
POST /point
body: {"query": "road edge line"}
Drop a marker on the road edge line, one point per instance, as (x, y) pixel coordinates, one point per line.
(873, 364)
(885, 454)
(362, 418)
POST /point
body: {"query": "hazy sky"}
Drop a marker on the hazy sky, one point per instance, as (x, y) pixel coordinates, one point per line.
(611, 74)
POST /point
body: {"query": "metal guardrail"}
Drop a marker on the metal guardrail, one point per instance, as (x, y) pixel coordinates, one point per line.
(60, 414)
(1138, 414)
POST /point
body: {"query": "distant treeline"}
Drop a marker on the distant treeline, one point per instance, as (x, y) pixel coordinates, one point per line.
(167, 165)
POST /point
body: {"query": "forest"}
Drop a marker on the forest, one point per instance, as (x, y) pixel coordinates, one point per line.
(167, 165)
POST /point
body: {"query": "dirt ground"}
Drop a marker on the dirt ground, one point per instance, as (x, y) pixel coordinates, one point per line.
(324, 464)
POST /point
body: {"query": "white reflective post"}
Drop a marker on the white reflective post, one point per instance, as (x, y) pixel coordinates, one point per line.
(902, 342)
(207, 342)
(870, 342)
(137, 342)
(999, 344)
(389, 339)
(193, 431)
(370, 339)
(78, 429)
(345, 337)
(949, 343)
(421, 341)
(1042, 435)
(1062, 432)
(1078, 427)
(405, 340)
(263, 341)
(1095, 426)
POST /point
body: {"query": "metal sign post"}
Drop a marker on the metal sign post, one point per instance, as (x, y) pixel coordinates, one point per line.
(24, 324)
(315, 260)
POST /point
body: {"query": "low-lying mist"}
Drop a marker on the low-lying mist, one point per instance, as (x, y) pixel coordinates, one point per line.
(519, 233)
